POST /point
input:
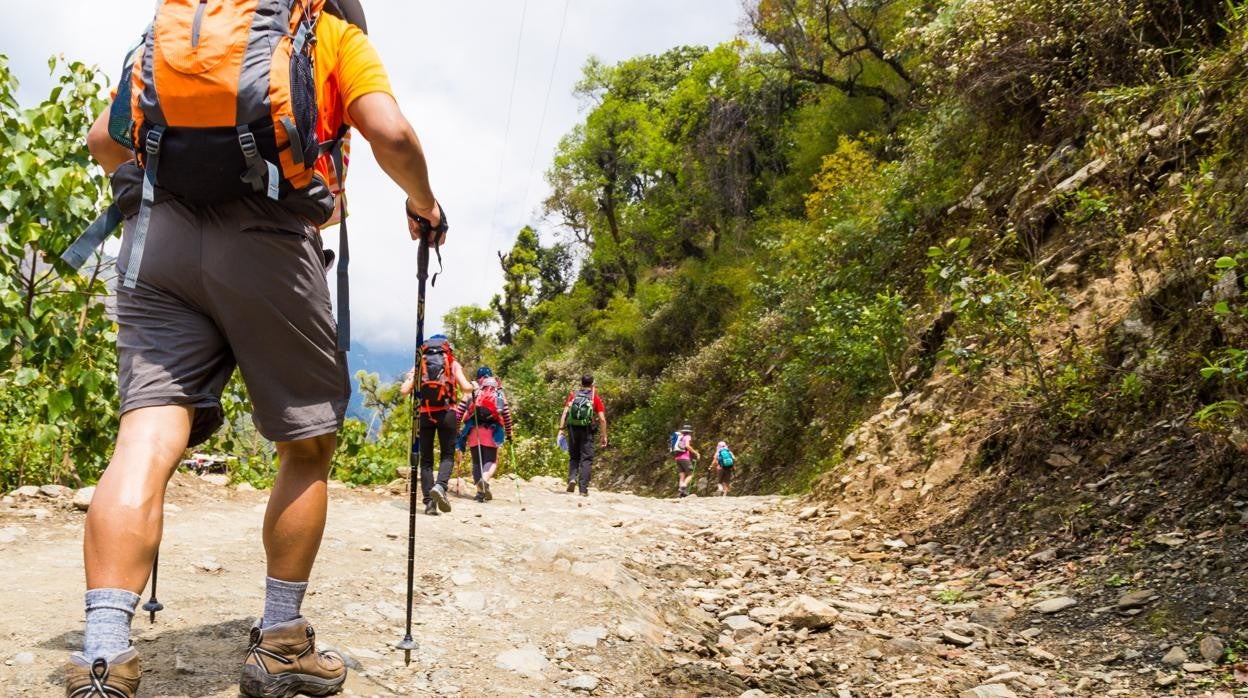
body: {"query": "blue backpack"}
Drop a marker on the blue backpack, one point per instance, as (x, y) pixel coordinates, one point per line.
(726, 458)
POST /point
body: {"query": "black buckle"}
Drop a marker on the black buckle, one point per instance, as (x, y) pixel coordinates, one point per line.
(152, 144)
(248, 143)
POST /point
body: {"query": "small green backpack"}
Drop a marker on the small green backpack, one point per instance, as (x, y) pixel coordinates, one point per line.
(581, 411)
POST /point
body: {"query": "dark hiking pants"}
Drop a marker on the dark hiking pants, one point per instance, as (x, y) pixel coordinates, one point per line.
(443, 425)
(580, 456)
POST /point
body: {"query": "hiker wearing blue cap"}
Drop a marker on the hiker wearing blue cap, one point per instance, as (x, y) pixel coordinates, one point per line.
(440, 378)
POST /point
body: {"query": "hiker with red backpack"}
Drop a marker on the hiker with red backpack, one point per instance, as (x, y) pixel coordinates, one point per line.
(226, 147)
(439, 377)
(583, 416)
(486, 416)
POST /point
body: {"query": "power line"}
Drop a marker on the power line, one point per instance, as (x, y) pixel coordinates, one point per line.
(511, 97)
(541, 124)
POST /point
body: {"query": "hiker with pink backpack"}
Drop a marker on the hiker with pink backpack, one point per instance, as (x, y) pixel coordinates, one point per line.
(486, 416)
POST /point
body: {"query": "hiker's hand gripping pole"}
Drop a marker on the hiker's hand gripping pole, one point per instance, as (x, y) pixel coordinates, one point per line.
(428, 233)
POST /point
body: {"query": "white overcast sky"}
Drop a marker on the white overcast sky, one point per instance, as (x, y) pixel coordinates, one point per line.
(451, 65)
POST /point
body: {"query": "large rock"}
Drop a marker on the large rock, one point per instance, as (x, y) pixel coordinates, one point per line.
(1175, 657)
(765, 615)
(809, 612)
(83, 497)
(868, 609)
(1212, 648)
(9, 534)
(988, 690)
(992, 616)
(544, 554)
(586, 683)
(528, 661)
(470, 601)
(54, 491)
(587, 637)
(1135, 599)
(26, 492)
(1054, 605)
(741, 627)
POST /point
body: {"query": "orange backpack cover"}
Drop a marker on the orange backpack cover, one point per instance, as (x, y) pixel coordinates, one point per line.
(224, 92)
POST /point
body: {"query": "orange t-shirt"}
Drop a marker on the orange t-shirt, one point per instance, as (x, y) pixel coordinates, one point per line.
(347, 68)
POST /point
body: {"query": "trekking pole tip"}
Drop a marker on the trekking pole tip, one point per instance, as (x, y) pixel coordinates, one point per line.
(407, 644)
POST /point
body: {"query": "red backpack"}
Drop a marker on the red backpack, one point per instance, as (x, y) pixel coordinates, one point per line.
(485, 409)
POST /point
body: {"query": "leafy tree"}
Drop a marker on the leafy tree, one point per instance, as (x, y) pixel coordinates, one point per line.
(57, 354)
(521, 272)
(852, 46)
(468, 328)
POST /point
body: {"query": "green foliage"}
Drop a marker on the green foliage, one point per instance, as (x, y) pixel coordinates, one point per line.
(58, 396)
(997, 314)
(468, 328)
(521, 272)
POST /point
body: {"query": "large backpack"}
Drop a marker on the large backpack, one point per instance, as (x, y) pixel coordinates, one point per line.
(677, 446)
(437, 384)
(485, 407)
(726, 459)
(218, 102)
(581, 410)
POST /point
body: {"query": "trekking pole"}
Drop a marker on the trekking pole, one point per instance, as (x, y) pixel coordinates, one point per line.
(152, 605)
(407, 644)
(515, 475)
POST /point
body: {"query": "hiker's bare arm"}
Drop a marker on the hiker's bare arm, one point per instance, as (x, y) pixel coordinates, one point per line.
(563, 419)
(106, 151)
(409, 382)
(464, 383)
(602, 422)
(398, 151)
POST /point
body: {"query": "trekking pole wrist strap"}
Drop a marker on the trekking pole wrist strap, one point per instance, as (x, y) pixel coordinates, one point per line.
(426, 226)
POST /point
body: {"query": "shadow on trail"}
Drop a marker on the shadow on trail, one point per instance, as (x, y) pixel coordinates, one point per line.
(192, 661)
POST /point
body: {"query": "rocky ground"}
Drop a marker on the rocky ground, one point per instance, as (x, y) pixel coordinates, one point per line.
(544, 593)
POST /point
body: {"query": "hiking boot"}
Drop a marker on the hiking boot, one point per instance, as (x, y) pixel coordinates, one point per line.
(104, 678)
(486, 495)
(431, 509)
(282, 662)
(585, 494)
(438, 495)
(479, 498)
(571, 486)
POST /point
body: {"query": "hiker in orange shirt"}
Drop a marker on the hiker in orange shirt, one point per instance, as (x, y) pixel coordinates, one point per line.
(227, 149)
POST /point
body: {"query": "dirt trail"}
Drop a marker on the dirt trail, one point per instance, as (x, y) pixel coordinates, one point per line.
(491, 579)
(542, 593)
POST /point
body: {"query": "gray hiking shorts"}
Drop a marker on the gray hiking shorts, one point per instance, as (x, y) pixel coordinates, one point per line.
(237, 284)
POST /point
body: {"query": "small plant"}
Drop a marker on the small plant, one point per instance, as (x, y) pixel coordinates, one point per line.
(950, 596)
(1117, 581)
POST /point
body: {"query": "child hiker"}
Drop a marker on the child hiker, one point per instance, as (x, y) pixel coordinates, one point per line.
(487, 424)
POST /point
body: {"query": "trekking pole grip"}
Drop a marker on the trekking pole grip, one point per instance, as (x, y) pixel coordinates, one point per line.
(427, 229)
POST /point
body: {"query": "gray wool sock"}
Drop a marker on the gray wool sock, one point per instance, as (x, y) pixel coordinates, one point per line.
(109, 612)
(281, 601)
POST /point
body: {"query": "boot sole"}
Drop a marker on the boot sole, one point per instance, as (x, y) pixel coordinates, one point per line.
(444, 505)
(258, 683)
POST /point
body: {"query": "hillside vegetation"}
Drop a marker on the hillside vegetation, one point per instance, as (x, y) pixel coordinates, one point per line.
(1024, 216)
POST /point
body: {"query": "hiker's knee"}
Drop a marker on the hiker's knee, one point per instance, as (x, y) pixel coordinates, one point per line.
(152, 437)
(312, 452)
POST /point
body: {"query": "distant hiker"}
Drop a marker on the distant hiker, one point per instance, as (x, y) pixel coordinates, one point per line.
(725, 461)
(221, 264)
(486, 415)
(583, 416)
(685, 453)
(440, 377)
